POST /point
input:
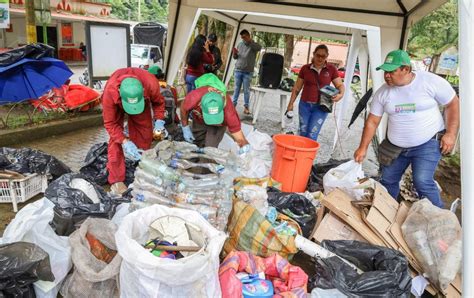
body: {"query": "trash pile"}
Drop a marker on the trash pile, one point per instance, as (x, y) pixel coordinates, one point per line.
(171, 174)
(208, 222)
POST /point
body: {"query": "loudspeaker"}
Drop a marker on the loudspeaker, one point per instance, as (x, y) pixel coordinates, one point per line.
(271, 70)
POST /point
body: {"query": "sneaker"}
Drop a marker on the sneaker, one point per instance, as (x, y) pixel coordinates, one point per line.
(246, 111)
(118, 188)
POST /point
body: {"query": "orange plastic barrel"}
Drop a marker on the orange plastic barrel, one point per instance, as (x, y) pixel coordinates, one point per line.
(292, 161)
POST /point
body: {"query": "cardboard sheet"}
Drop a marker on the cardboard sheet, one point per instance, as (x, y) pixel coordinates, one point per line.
(333, 228)
(340, 204)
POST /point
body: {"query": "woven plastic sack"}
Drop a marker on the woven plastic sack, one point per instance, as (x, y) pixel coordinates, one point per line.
(144, 275)
(31, 224)
(251, 231)
(92, 277)
(434, 236)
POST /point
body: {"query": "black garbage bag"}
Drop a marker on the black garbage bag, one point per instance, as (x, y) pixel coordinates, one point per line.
(95, 166)
(22, 264)
(27, 160)
(73, 205)
(32, 51)
(315, 182)
(385, 270)
(296, 206)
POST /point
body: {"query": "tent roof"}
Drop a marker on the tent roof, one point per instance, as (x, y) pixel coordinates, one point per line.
(378, 13)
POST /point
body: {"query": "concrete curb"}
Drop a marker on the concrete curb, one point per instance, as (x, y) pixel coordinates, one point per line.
(25, 134)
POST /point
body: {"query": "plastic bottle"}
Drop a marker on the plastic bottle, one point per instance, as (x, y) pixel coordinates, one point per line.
(186, 164)
(184, 147)
(159, 168)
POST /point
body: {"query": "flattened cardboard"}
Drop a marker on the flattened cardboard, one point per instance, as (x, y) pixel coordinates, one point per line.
(382, 215)
(319, 218)
(333, 228)
(340, 204)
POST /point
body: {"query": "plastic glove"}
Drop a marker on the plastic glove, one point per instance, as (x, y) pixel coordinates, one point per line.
(244, 149)
(188, 134)
(131, 151)
(160, 127)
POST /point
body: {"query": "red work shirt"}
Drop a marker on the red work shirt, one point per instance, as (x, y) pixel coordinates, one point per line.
(192, 103)
(112, 109)
(207, 58)
(309, 75)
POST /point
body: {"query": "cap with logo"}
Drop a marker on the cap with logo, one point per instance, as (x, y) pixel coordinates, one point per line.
(131, 93)
(212, 105)
(155, 69)
(394, 60)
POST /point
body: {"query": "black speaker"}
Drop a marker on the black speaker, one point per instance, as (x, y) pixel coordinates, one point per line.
(271, 70)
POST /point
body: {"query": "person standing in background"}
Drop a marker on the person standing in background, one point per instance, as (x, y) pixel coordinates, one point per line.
(198, 55)
(245, 54)
(216, 53)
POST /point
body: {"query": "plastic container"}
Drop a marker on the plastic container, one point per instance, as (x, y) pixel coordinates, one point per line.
(20, 190)
(292, 161)
(255, 287)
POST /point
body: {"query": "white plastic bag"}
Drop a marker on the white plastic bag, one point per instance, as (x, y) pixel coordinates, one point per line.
(31, 224)
(144, 275)
(258, 162)
(256, 196)
(345, 177)
(435, 237)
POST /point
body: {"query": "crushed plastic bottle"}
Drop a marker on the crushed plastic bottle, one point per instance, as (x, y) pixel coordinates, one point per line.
(186, 164)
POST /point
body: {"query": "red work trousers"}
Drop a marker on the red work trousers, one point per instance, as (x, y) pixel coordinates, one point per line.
(140, 128)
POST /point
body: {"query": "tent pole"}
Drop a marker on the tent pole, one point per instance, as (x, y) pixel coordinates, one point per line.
(233, 45)
(172, 37)
(466, 95)
(309, 49)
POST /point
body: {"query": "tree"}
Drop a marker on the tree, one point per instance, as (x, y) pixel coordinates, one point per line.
(151, 10)
(267, 39)
(435, 31)
(289, 46)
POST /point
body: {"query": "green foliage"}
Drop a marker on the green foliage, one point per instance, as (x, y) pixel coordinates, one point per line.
(150, 10)
(435, 31)
(267, 39)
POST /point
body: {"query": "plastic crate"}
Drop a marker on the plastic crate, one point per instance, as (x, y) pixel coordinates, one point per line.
(20, 190)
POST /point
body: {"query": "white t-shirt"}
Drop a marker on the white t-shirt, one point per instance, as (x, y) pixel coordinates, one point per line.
(413, 110)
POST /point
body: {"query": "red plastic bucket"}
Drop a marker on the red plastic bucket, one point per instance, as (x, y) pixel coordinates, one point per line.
(292, 161)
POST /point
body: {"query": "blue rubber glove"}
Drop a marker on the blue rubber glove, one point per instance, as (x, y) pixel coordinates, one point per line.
(188, 134)
(131, 151)
(244, 149)
(160, 126)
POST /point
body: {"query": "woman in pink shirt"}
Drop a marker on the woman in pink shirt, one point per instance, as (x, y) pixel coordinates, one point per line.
(198, 55)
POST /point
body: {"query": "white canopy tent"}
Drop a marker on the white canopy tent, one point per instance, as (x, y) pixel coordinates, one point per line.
(374, 27)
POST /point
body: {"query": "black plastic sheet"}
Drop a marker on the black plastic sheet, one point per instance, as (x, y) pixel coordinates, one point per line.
(315, 182)
(22, 264)
(150, 33)
(27, 160)
(296, 206)
(385, 270)
(95, 166)
(32, 51)
(72, 205)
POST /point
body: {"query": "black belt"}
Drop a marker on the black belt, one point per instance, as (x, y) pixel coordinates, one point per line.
(439, 135)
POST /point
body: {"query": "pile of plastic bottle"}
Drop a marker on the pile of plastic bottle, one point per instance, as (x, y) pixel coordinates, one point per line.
(179, 174)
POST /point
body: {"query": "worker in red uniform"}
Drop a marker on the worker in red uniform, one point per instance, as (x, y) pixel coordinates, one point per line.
(211, 117)
(136, 93)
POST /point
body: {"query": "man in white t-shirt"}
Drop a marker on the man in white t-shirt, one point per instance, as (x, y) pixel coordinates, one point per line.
(415, 124)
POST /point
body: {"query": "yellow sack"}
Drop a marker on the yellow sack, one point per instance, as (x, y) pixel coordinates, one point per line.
(263, 182)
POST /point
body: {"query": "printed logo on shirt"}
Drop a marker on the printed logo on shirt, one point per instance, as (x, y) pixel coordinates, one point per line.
(326, 74)
(405, 108)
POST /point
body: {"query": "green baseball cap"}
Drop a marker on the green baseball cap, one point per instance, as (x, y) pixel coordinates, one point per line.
(155, 69)
(212, 106)
(394, 60)
(131, 92)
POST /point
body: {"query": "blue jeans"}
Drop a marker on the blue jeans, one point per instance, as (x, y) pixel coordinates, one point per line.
(424, 160)
(311, 119)
(190, 83)
(242, 77)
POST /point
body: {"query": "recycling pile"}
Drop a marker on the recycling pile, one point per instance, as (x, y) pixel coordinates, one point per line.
(179, 174)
